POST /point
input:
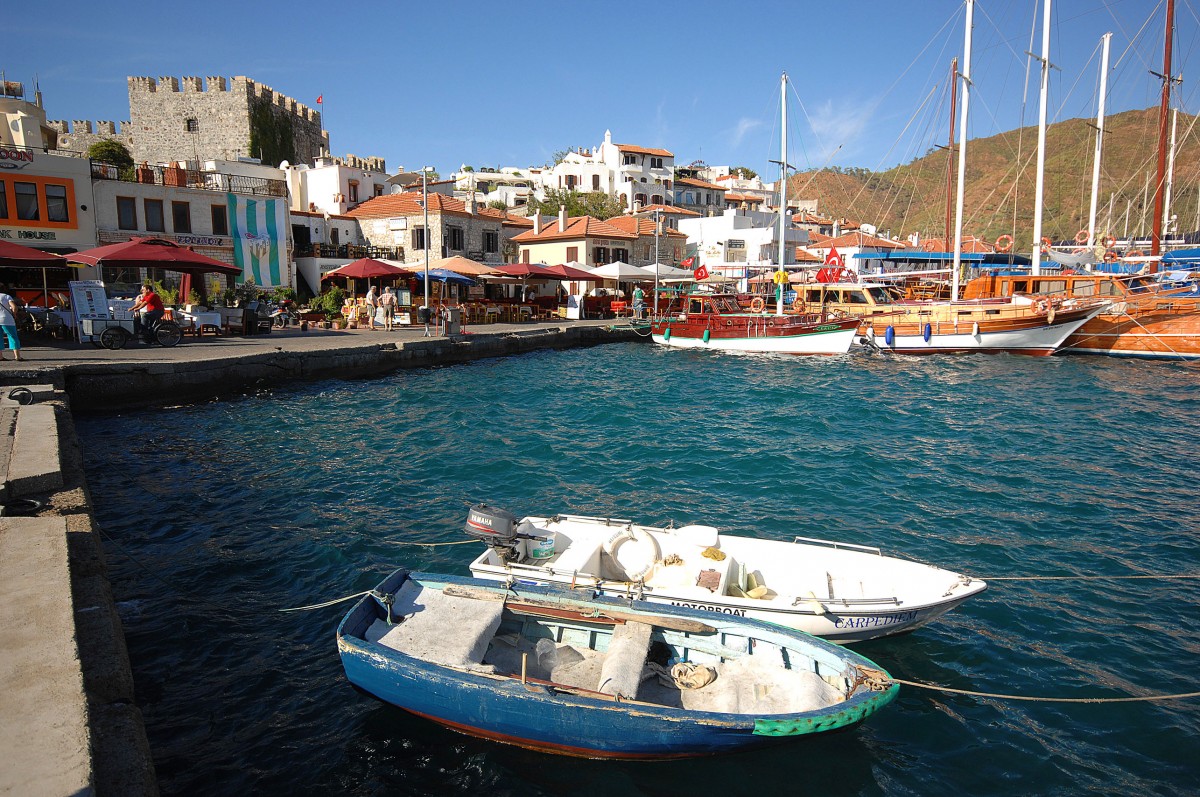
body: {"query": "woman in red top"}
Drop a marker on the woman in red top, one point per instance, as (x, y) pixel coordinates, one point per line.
(152, 311)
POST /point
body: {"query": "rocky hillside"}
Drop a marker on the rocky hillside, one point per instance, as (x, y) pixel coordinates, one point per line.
(1001, 177)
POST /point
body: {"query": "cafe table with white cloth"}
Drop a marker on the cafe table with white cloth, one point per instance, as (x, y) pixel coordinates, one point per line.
(200, 320)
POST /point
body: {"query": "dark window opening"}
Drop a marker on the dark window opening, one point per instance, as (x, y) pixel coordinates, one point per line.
(56, 203)
(126, 213)
(155, 221)
(220, 220)
(27, 202)
(181, 216)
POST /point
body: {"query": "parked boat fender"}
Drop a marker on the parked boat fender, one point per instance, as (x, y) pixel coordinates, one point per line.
(1050, 312)
(707, 335)
(889, 336)
(757, 304)
(927, 332)
(639, 566)
(975, 329)
(666, 334)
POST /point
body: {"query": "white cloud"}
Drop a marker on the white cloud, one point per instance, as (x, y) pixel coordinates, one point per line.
(841, 126)
(744, 126)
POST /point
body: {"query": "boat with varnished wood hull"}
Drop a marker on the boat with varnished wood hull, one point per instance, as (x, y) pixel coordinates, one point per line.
(888, 323)
(1145, 320)
(716, 321)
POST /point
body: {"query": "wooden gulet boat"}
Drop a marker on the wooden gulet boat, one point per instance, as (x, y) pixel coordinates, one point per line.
(716, 321)
(1145, 319)
(846, 593)
(597, 677)
(1016, 325)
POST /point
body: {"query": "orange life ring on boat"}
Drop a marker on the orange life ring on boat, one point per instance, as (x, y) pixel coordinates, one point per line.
(1046, 243)
(1134, 253)
(757, 304)
(798, 305)
(1109, 242)
(1110, 256)
(1004, 243)
(1081, 237)
(1043, 305)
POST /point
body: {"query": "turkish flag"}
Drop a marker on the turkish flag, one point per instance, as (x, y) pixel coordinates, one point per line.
(319, 98)
(688, 263)
(701, 273)
(835, 259)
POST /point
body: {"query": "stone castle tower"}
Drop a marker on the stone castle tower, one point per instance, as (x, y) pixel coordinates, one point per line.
(226, 121)
(223, 121)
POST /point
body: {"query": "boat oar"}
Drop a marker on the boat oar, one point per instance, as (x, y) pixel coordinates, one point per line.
(521, 603)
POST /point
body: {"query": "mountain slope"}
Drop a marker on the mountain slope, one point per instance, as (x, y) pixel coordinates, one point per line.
(1001, 179)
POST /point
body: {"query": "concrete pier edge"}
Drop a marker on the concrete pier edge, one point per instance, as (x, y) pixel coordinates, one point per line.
(43, 460)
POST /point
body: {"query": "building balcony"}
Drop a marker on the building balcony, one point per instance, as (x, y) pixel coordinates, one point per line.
(177, 176)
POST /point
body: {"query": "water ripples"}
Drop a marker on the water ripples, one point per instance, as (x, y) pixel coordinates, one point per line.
(994, 466)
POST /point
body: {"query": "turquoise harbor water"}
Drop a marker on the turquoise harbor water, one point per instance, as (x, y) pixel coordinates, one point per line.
(996, 466)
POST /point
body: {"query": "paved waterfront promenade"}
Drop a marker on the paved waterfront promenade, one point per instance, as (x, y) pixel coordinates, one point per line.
(69, 721)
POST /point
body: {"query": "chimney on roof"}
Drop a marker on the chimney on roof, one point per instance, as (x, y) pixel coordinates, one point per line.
(537, 223)
(562, 218)
(470, 203)
(837, 228)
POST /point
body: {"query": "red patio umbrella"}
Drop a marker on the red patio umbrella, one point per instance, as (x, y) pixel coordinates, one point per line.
(528, 270)
(17, 256)
(368, 268)
(571, 273)
(153, 252)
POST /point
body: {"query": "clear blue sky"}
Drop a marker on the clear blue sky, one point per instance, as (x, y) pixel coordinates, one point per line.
(486, 83)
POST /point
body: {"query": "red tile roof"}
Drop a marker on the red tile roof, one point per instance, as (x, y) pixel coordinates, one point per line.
(407, 204)
(669, 210)
(644, 150)
(700, 183)
(859, 239)
(731, 197)
(640, 225)
(577, 227)
(804, 256)
(505, 217)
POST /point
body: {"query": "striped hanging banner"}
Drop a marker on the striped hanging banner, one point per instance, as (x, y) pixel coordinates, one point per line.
(258, 227)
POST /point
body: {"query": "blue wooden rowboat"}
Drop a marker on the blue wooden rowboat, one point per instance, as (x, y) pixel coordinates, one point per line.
(598, 677)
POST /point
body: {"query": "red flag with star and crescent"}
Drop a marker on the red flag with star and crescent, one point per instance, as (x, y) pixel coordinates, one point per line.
(834, 263)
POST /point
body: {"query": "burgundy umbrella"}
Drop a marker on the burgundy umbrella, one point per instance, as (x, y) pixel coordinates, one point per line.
(153, 253)
(18, 256)
(571, 273)
(367, 268)
(527, 270)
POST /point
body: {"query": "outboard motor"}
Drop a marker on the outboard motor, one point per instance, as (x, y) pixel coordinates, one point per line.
(497, 528)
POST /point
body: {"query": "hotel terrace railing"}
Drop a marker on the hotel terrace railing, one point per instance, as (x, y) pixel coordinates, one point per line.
(189, 178)
(347, 250)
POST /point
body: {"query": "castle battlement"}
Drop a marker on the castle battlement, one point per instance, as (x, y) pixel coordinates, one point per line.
(87, 126)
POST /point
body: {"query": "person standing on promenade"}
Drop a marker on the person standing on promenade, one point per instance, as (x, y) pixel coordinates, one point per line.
(152, 310)
(8, 324)
(639, 301)
(388, 302)
(372, 302)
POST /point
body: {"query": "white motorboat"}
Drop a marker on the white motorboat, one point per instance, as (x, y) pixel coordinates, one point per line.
(839, 591)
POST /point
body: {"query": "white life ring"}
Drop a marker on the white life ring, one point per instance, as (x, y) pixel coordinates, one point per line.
(642, 556)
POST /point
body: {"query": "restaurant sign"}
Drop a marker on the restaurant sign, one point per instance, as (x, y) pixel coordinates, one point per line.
(15, 158)
(201, 240)
(29, 235)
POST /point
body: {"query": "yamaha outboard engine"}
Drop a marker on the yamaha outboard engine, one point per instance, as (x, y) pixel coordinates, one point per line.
(497, 528)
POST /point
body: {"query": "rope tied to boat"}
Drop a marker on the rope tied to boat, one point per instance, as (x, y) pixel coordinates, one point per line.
(1037, 699)
(376, 593)
(871, 678)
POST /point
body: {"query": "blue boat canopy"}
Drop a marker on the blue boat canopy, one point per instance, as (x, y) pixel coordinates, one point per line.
(975, 258)
(1182, 256)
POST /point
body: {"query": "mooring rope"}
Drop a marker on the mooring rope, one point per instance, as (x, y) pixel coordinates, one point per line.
(1035, 699)
(1088, 578)
(328, 603)
(431, 544)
